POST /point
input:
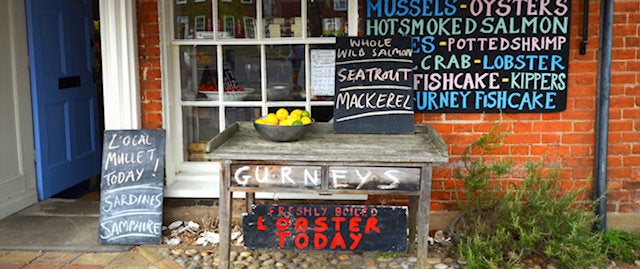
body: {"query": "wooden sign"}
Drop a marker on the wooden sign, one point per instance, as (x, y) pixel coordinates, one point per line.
(131, 187)
(337, 177)
(373, 85)
(326, 227)
(482, 56)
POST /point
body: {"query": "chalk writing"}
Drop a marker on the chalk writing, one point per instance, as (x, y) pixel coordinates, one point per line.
(338, 177)
(351, 228)
(131, 195)
(373, 78)
(480, 55)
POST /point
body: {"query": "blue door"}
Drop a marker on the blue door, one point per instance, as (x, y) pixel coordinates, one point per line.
(63, 92)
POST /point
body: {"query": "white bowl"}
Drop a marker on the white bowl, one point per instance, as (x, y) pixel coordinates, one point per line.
(278, 92)
(228, 96)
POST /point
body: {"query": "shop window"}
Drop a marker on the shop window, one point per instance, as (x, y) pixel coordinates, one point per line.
(235, 60)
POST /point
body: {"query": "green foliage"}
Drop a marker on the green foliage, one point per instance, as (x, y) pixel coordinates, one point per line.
(622, 246)
(532, 217)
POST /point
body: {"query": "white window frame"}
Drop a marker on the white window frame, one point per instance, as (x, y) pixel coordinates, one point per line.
(199, 23)
(186, 179)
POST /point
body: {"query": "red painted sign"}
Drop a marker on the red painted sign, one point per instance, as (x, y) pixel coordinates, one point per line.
(316, 227)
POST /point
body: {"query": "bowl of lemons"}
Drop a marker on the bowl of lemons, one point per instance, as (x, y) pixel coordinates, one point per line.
(284, 126)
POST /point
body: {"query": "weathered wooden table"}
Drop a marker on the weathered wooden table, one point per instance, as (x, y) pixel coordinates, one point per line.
(336, 158)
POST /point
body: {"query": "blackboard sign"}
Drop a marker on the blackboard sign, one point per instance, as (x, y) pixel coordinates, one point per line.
(481, 56)
(373, 85)
(326, 227)
(131, 187)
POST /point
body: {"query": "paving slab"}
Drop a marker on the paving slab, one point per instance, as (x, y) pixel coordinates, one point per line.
(95, 258)
(20, 256)
(57, 257)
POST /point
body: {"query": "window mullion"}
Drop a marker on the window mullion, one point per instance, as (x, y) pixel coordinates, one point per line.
(259, 27)
(221, 106)
(263, 77)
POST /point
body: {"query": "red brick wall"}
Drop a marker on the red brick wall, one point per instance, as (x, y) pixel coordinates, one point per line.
(565, 139)
(149, 55)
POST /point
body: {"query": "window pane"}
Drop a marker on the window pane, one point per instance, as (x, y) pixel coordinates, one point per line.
(236, 18)
(197, 72)
(200, 124)
(192, 19)
(282, 18)
(327, 18)
(285, 72)
(242, 72)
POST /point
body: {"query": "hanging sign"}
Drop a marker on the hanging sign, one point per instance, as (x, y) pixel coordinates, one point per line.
(373, 85)
(131, 187)
(481, 56)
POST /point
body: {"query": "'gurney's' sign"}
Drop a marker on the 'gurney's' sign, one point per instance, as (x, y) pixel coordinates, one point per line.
(338, 177)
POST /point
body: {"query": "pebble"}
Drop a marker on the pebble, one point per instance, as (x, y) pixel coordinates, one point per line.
(440, 266)
(191, 252)
(174, 225)
(245, 254)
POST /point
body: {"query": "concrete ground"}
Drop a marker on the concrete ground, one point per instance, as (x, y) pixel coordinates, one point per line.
(62, 233)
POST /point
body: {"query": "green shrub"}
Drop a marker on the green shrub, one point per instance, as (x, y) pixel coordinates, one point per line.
(622, 246)
(532, 217)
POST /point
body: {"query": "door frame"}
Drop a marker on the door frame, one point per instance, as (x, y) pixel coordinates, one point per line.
(119, 50)
(19, 191)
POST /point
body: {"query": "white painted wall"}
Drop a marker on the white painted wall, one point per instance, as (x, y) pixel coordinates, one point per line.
(17, 169)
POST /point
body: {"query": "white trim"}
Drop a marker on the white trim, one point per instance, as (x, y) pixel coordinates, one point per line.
(173, 149)
(19, 184)
(119, 46)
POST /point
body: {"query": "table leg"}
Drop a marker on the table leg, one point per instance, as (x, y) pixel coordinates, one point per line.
(424, 205)
(225, 216)
(250, 200)
(413, 222)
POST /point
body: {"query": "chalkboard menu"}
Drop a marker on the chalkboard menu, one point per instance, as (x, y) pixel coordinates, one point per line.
(131, 187)
(326, 227)
(481, 56)
(373, 85)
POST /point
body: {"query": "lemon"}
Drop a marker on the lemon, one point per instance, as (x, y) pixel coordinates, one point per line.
(294, 116)
(305, 113)
(271, 118)
(286, 122)
(296, 112)
(282, 114)
(305, 120)
(260, 121)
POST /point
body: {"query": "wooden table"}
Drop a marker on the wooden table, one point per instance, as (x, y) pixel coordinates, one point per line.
(322, 150)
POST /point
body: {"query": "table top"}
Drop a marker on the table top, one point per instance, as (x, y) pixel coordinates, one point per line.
(321, 144)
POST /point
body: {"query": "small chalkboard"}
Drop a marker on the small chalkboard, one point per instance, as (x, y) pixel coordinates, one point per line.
(131, 187)
(326, 227)
(374, 92)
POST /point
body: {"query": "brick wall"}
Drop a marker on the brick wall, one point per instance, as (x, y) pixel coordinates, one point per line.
(149, 55)
(565, 139)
